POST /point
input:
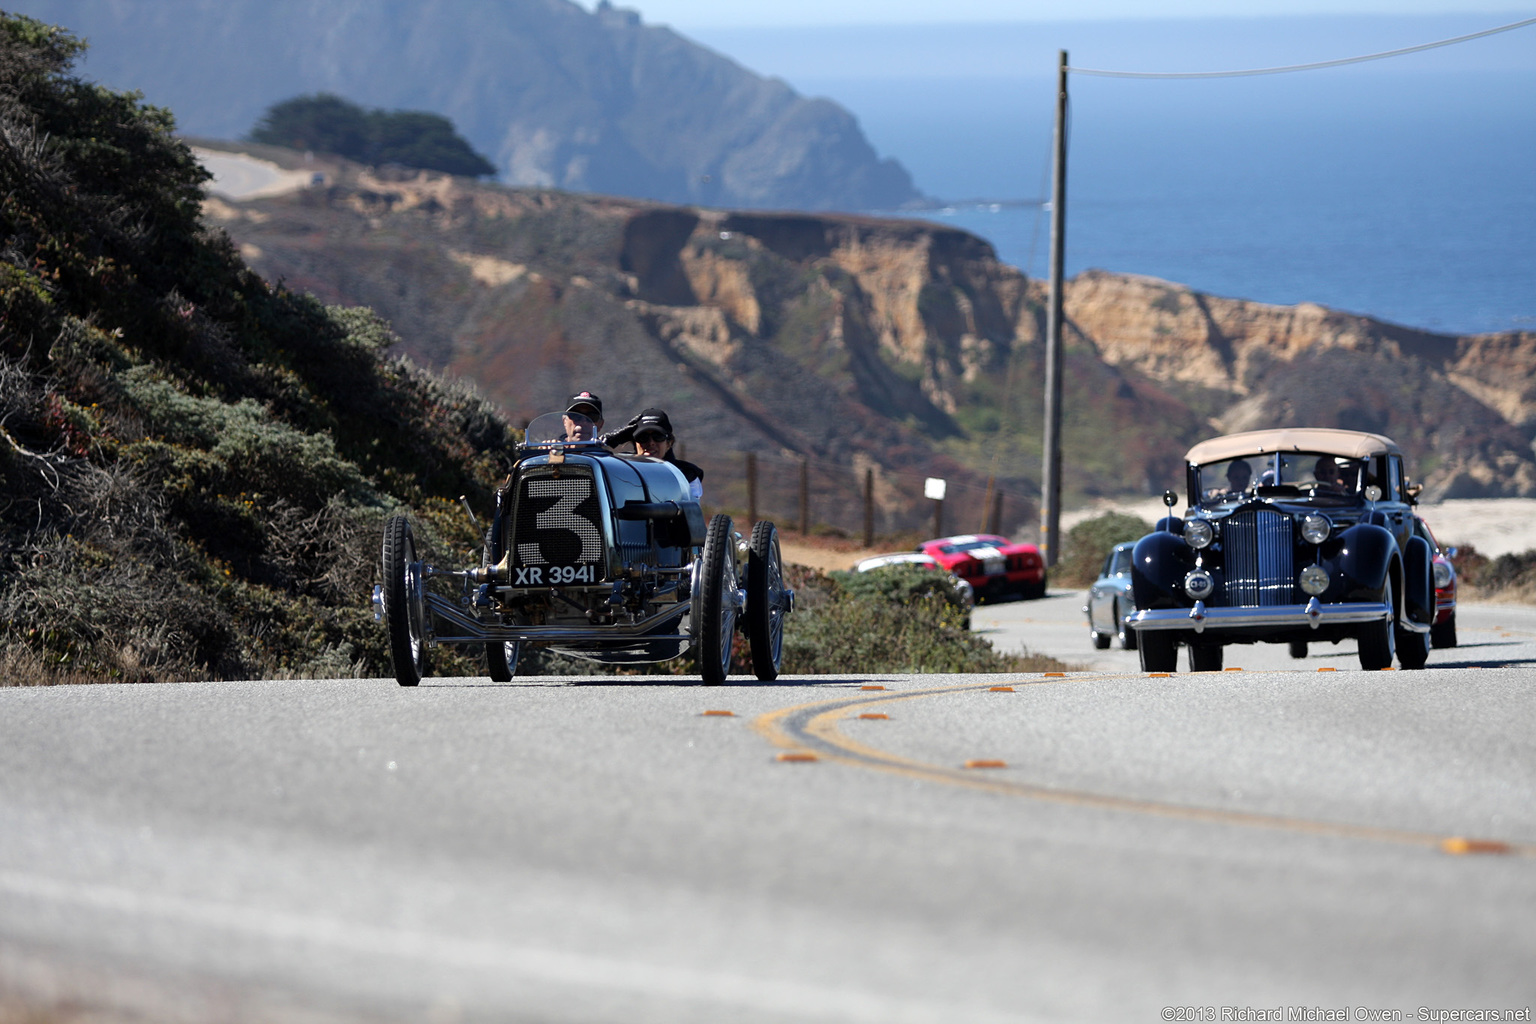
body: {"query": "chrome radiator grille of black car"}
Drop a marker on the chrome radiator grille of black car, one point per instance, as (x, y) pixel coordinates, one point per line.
(557, 521)
(1257, 551)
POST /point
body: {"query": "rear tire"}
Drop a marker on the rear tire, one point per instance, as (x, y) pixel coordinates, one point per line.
(404, 602)
(765, 602)
(1206, 659)
(717, 601)
(1378, 639)
(1298, 649)
(1443, 634)
(1159, 653)
(500, 657)
(1412, 648)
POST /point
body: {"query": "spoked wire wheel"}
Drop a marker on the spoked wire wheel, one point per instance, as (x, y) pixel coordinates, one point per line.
(716, 623)
(765, 602)
(405, 602)
(500, 656)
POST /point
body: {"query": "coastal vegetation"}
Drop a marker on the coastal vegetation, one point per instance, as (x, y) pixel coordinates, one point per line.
(325, 123)
(194, 461)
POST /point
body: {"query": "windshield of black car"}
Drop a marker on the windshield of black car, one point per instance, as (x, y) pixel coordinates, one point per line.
(1315, 476)
(560, 430)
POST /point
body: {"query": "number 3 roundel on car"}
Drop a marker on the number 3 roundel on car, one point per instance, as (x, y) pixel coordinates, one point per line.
(560, 514)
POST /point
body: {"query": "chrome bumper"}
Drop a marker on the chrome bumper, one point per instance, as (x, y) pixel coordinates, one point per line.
(1314, 613)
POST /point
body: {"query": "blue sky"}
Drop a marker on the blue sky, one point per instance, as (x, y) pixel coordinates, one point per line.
(688, 15)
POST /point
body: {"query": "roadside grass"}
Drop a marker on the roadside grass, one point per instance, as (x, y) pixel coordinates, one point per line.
(1506, 579)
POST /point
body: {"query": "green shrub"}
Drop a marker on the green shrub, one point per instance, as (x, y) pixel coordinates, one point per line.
(1089, 543)
(879, 626)
(907, 585)
(1511, 574)
(330, 124)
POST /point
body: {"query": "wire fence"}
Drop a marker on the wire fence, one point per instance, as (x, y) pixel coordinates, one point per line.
(859, 500)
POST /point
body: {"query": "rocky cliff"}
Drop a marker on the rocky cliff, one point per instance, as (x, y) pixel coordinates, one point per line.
(557, 95)
(1464, 406)
(890, 343)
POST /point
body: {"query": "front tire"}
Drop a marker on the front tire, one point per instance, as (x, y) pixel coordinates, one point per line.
(1443, 634)
(717, 601)
(1126, 635)
(1206, 659)
(501, 659)
(1378, 639)
(1159, 652)
(765, 602)
(1298, 649)
(404, 602)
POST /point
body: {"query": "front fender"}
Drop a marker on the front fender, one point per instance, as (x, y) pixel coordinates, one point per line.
(1365, 555)
(1419, 580)
(1158, 565)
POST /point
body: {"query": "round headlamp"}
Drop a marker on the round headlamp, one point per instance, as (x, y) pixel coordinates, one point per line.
(1442, 575)
(1199, 584)
(1314, 580)
(1315, 528)
(1198, 534)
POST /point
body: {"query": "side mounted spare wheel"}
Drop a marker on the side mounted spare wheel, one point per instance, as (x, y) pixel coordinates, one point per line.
(405, 611)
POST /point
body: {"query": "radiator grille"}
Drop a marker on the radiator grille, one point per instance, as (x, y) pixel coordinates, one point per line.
(557, 521)
(1257, 553)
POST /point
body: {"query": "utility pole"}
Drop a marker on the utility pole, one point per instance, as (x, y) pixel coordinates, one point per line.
(1050, 483)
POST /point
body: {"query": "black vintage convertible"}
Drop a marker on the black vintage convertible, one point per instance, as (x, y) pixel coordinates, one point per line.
(1292, 536)
(594, 554)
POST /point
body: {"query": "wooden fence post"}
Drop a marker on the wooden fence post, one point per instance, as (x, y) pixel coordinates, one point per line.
(751, 489)
(869, 508)
(805, 498)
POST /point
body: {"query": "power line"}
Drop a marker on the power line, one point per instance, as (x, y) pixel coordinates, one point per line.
(1303, 67)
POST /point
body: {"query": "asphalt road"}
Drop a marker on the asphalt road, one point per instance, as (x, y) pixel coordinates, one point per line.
(1490, 634)
(577, 851)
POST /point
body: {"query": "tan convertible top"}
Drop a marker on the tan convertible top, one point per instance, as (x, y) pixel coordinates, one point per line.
(1348, 444)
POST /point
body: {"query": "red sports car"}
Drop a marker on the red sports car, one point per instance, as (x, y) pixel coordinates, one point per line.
(994, 566)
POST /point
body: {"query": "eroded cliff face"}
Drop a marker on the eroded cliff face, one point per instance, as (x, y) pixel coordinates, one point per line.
(1464, 407)
(892, 343)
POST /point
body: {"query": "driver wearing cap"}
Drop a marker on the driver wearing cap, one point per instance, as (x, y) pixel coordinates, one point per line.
(651, 431)
(583, 417)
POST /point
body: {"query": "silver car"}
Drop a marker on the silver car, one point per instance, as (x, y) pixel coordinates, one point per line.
(1110, 601)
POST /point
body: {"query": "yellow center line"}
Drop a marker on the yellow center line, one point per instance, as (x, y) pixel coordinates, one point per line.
(815, 726)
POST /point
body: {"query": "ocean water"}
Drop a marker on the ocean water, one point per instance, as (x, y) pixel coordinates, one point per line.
(1403, 190)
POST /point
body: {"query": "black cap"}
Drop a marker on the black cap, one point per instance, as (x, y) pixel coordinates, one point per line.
(586, 400)
(651, 420)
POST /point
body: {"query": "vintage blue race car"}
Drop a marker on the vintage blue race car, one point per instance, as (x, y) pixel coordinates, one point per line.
(595, 554)
(1291, 536)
